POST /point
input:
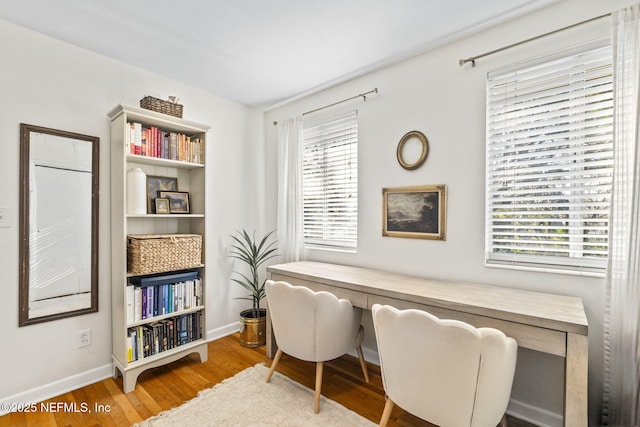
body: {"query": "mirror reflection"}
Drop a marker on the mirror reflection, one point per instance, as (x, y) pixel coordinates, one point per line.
(58, 224)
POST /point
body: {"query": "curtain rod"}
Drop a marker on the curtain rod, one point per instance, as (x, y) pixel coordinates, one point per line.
(472, 59)
(362, 95)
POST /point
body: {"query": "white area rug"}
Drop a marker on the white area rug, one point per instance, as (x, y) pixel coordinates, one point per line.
(247, 400)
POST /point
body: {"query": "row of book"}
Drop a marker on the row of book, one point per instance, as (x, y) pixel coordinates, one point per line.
(153, 338)
(165, 297)
(154, 142)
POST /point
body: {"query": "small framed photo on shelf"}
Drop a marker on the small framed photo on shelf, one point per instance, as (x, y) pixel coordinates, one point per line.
(178, 201)
(162, 206)
(417, 212)
(156, 184)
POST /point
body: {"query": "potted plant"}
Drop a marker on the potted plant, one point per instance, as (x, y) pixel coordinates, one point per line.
(253, 253)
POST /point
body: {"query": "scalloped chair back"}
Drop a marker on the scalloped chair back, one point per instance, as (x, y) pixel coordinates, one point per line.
(446, 372)
(313, 326)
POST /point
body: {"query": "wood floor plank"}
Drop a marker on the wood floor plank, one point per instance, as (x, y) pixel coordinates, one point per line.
(122, 402)
(145, 405)
(89, 418)
(169, 386)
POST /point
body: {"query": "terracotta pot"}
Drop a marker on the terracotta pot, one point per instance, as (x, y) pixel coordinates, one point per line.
(253, 331)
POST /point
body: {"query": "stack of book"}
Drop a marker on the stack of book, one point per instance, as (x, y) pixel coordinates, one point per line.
(150, 296)
(153, 338)
(154, 142)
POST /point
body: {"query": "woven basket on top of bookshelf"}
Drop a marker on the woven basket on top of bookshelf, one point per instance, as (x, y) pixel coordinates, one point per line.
(165, 107)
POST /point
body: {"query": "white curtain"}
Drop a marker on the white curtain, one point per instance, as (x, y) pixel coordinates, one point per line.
(290, 232)
(622, 318)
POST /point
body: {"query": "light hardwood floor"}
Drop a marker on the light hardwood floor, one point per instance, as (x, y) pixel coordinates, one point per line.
(169, 386)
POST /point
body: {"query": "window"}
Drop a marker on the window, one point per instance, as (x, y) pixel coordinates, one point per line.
(330, 183)
(550, 162)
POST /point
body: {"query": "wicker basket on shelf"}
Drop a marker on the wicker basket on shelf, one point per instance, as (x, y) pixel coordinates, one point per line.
(156, 253)
(165, 107)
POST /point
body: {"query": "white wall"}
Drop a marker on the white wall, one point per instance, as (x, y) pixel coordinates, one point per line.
(432, 94)
(53, 84)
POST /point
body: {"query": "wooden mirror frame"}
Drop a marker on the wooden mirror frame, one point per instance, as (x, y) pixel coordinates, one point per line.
(423, 155)
(24, 223)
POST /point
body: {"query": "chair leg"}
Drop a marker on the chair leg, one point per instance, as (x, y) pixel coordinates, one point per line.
(276, 359)
(316, 403)
(503, 421)
(363, 363)
(386, 413)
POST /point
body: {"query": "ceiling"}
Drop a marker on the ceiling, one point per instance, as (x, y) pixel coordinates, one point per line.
(261, 53)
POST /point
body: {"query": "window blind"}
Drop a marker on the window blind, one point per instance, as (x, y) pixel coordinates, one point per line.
(550, 162)
(330, 183)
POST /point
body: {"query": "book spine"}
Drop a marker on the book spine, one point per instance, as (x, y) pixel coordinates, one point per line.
(165, 145)
(165, 298)
(129, 348)
(144, 303)
(130, 304)
(150, 302)
(144, 141)
(173, 146)
(137, 294)
(137, 138)
(140, 346)
(130, 138)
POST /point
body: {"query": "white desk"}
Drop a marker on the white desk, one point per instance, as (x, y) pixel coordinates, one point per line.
(548, 323)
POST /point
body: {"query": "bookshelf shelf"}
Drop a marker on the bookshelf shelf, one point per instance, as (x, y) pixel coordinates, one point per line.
(189, 348)
(190, 178)
(156, 161)
(188, 268)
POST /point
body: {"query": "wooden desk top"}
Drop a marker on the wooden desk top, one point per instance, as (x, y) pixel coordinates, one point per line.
(557, 312)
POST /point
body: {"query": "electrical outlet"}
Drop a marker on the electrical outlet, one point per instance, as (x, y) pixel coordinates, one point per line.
(84, 338)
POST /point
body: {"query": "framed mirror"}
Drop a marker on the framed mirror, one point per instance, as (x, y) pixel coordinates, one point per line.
(59, 188)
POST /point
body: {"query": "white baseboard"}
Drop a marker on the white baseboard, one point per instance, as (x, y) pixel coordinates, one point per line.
(534, 415)
(223, 331)
(56, 388)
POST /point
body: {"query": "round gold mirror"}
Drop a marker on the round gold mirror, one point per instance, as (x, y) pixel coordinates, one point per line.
(412, 150)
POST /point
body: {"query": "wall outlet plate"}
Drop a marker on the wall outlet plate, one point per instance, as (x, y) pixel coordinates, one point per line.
(84, 338)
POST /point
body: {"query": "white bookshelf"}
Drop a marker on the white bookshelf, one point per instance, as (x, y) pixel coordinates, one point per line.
(191, 178)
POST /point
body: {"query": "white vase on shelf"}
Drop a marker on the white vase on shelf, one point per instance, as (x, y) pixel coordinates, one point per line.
(136, 191)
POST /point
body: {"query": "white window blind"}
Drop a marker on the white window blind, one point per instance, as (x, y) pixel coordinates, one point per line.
(330, 183)
(550, 162)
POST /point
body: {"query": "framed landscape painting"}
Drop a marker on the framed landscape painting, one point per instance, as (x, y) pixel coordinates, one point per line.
(417, 212)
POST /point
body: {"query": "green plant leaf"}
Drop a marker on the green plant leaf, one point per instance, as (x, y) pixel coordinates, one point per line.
(253, 253)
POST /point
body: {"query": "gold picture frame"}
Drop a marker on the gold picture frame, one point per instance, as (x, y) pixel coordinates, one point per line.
(417, 212)
(162, 206)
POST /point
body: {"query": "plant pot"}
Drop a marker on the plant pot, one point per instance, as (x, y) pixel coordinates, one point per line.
(253, 331)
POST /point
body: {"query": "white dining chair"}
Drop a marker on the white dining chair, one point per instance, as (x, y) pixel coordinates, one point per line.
(446, 372)
(313, 326)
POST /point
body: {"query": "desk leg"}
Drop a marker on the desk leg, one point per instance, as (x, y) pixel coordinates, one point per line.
(576, 383)
(271, 341)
